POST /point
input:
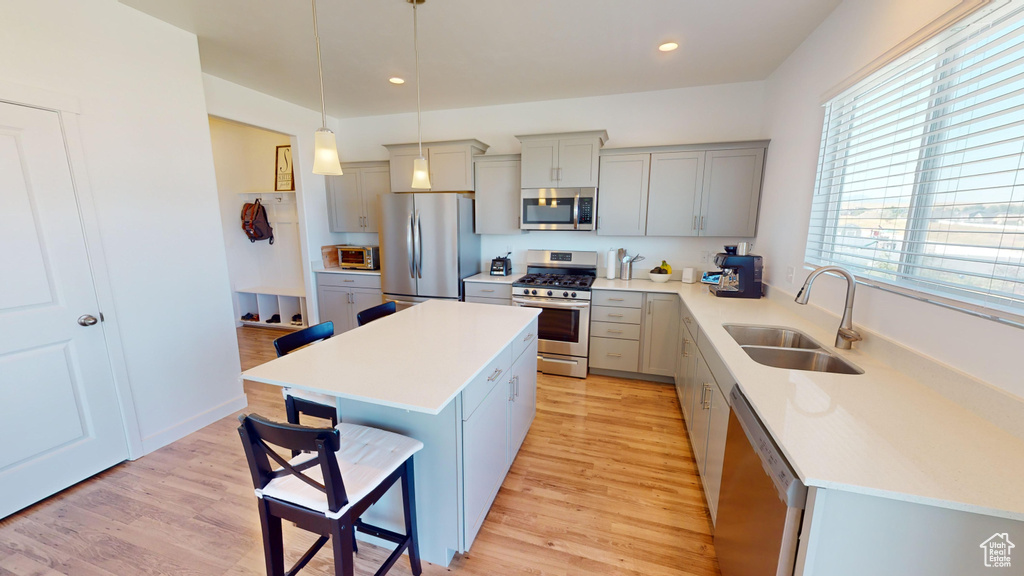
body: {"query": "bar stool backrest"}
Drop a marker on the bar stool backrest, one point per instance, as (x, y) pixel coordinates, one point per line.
(285, 344)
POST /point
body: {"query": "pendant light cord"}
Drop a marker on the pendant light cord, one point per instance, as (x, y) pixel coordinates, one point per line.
(320, 69)
(416, 50)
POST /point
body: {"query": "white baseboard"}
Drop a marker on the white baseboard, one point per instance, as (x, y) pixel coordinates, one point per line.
(190, 425)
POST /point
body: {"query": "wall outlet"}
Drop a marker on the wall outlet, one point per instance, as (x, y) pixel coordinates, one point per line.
(704, 256)
(790, 271)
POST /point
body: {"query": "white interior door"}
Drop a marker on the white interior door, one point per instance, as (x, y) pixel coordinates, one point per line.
(59, 416)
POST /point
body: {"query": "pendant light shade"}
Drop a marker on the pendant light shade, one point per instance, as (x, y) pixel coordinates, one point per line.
(420, 174)
(420, 169)
(325, 153)
(325, 147)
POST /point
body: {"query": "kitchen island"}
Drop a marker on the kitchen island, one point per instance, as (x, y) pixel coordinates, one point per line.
(460, 377)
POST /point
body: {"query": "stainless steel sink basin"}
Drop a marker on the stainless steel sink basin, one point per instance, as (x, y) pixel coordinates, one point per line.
(800, 359)
(770, 336)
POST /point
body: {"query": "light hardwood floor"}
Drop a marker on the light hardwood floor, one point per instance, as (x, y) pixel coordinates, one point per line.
(605, 484)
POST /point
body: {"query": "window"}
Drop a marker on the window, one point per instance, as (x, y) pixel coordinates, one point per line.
(920, 183)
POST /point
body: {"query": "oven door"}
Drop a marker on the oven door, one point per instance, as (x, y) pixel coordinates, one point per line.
(546, 209)
(563, 326)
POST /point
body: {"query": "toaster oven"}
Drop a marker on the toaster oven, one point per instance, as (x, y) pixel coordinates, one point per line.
(359, 257)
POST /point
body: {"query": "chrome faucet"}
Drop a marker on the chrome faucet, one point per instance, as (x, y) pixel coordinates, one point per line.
(846, 335)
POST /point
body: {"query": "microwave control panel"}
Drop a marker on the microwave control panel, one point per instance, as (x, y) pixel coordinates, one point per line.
(586, 211)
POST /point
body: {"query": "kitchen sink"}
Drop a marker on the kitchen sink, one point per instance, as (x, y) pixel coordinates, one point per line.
(770, 336)
(800, 359)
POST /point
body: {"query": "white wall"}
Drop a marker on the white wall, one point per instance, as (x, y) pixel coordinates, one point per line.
(683, 116)
(228, 100)
(147, 158)
(245, 160)
(855, 34)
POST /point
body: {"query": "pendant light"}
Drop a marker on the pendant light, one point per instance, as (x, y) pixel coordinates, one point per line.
(420, 169)
(325, 147)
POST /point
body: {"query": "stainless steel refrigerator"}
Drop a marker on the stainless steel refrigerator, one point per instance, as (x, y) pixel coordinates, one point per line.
(427, 246)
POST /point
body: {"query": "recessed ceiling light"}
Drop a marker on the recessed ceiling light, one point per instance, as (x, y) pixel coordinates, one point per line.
(396, 80)
(668, 46)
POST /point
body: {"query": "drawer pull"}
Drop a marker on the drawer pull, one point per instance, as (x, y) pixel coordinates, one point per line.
(616, 299)
(493, 377)
(347, 280)
(528, 337)
(615, 315)
(615, 331)
(613, 354)
(487, 290)
(687, 319)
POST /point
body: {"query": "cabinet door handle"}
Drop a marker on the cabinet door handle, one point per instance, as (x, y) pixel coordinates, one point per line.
(686, 351)
(559, 174)
(511, 393)
(701, 222)
(706, 403)
(554, 174)
(493, 377)
(648, 308)
(694, 227)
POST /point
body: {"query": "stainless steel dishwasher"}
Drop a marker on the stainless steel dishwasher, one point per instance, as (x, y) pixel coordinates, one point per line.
(761, 503)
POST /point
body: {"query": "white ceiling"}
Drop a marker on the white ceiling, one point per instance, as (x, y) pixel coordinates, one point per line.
(484, 52)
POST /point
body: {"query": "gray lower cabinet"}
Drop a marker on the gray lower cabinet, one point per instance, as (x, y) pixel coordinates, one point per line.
(661, 334)
(498, 408)
(341, 296)
(488, 293)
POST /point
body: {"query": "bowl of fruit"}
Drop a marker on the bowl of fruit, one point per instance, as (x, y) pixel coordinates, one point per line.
(661, 273)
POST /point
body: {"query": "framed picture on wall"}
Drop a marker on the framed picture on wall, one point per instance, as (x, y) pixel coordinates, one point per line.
(284, 182)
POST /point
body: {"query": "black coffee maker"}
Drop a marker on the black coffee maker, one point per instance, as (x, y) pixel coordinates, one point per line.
(740, 277)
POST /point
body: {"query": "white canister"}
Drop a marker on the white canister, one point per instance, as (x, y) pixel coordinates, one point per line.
(610, 265)
(689, 275)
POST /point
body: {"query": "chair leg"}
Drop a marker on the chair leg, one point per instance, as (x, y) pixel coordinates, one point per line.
(273, 544)
(341, 542)
(409, 510)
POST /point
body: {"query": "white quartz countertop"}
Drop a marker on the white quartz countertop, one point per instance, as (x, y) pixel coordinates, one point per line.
(348, 271)
(486, 278)
(882, 433)
(418, 359)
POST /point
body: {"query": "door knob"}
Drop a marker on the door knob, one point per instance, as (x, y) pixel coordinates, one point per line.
(87, 320)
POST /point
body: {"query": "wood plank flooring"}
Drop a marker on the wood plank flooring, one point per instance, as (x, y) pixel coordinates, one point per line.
(605, 483)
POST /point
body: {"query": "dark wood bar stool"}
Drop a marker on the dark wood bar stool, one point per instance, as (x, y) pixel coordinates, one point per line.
(325, 492)
(297, 401)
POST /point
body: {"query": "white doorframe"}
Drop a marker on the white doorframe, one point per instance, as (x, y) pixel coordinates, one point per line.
(67, 108)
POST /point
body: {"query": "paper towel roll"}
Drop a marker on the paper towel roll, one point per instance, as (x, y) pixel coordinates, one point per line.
(610, 265)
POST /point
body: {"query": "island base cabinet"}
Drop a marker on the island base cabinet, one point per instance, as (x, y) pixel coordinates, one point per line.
(484, 456)
(523, 403)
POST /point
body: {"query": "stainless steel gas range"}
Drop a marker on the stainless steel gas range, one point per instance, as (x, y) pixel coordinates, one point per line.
(559, 283)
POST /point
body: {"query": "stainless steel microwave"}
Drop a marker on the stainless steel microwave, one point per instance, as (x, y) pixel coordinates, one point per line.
(359, 257)
(558, 208)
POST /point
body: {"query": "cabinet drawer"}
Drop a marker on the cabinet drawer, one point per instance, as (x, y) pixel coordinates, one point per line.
(618, 315)
(348, 280)
(496, 372)
(610, 330)
(488, 290)
(496, 301)
(689, 324)
(618, 298)
(524, 340)
(612, 354)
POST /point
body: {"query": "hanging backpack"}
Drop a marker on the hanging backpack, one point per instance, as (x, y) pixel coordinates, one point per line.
(255, 223)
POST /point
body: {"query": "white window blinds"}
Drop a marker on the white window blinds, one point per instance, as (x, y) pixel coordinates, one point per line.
(920, 180)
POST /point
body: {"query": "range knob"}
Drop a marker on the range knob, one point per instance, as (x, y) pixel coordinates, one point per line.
(573, 294)
(565, 294)
(550, 292)
(534, 292)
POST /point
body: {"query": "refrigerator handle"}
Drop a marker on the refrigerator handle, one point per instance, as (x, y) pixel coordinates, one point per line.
(419, 245)
(410, 247)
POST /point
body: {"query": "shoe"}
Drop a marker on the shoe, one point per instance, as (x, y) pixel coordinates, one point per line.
(275, 319)
(250, 317)
(297, 320)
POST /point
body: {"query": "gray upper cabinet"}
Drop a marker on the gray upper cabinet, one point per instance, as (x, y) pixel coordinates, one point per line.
(352, 198)
(732, 187)
(451, 165)
(674, 195)
(567, 160)
(622, 200)
(497, 194)
(692, 190)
